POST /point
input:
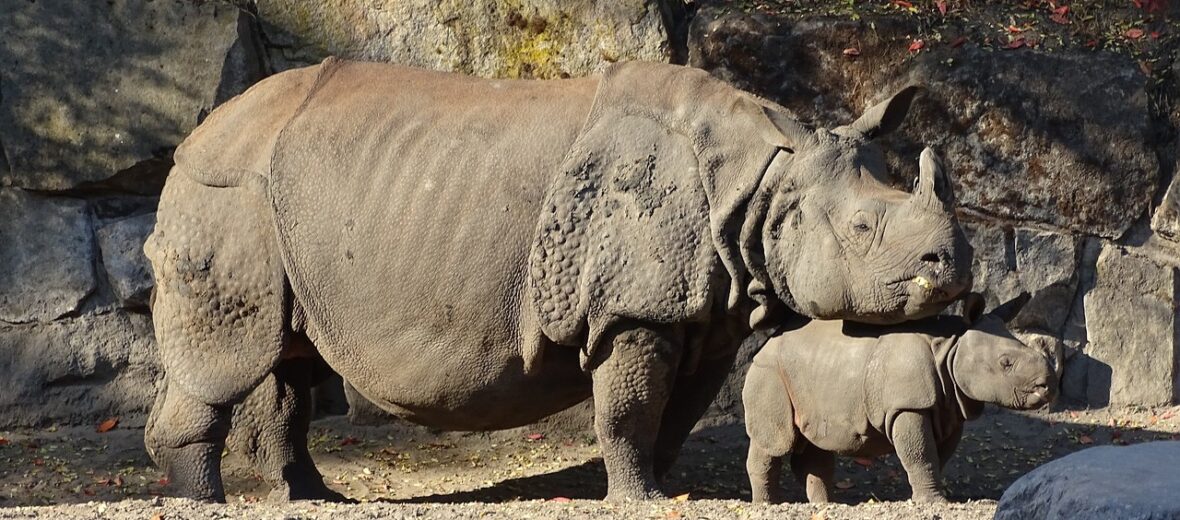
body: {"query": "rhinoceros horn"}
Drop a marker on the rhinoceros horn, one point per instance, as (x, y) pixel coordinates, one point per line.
(933, 189)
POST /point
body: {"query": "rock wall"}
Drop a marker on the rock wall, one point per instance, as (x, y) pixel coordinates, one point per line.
(1063, 160)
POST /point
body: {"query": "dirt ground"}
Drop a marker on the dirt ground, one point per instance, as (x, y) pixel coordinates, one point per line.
(401, 470)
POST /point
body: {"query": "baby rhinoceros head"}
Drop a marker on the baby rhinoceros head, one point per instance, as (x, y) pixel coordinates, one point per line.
(992, 366)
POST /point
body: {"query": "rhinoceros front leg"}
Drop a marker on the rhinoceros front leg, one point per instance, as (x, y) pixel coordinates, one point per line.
(185, 437)
(913, 438)
(270, 430)
(631, 389)
(765, 472)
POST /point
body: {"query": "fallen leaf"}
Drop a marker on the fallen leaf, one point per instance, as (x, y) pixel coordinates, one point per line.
(1061, 10)
(561, 500)
(107, 425)
(680, 498)
(38, 462)
(535, 436)
(1145, 66)
(866, 462)
(1134, 33)
(1016, 44)
(164, 481)
(1167, 415)
(673, 514)
(1074, 415)
(1015, 30)
(1059, 19)
(349, 441)
(852, 52)
(118, 481)
(1155, 35)
(88, 492)
(917, 45)
(903, 4)
(157, 516)
(845, 484)
(958, 42)
(3, 441)
(1091, 44)
(941, 4)
(1085, 439)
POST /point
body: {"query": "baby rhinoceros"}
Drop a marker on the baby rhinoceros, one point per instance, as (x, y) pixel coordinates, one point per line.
(838, 387)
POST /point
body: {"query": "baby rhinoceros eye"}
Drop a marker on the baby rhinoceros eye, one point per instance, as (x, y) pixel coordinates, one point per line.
(862, 222)
(1006, 363)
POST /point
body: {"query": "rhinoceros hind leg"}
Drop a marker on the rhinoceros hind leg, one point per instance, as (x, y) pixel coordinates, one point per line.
(631, 389)
(270, 430)
(185, 437)
(815, 469)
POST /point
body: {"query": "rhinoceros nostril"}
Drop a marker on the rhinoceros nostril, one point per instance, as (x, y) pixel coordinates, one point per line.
(931, 258)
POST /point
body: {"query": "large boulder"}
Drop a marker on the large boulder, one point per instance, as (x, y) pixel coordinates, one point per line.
(91, 89)
(490, 38)
(46, 256)
(1136, 482)
(1068, 149)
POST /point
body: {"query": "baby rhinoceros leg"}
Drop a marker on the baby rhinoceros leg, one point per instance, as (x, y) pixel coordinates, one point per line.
(770, 423)
(765, 472)
(814, 468)
(913, 438)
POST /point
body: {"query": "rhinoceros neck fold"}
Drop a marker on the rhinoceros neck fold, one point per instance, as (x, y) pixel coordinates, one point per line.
(944, 356)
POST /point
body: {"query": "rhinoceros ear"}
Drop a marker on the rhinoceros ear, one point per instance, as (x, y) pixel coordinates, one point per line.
(886, 116)
(776, 126)
(1009, 309)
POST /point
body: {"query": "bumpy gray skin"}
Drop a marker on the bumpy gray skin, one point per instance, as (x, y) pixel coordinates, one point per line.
(842, 388)
(476, 254)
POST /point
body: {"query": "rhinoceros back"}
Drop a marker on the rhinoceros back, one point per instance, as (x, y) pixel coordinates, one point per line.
(406, 202)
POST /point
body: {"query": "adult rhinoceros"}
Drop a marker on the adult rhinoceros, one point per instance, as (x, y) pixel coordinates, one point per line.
(476, 254)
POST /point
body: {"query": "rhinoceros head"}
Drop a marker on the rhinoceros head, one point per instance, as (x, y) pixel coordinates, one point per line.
(989, 365)
(839, 243)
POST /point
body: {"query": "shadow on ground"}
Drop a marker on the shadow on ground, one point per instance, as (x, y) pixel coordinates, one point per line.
(405, 463)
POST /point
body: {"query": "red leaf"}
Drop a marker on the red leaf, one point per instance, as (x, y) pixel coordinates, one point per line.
(903, 4)
(164, 481)
(118, 480)
(1063, 10)
(917, 45)
(1155, 35)
(941, 4)
(349, 441)
(866, 462)
(561, 500)
(535, 436)
(1060, 19)
(1016, 44)
(3, 441)
(88, 492)
(38, 462)
(1086, 439)
(852, 52)
(1014, 29)
(1091, 44)
(1134, 33)
(958, 42)
(107, 425)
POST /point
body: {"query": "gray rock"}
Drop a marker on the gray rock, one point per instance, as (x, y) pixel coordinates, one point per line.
(1136, 482)
(128, 270)
(92, 88)
(76, 370)
(1166, 220)
(46, 254)
(491, 38)
(1010, 261)
(1068, 149)
(1131, 327)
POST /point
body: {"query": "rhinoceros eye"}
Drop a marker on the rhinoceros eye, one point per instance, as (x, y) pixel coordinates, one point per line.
(862, 222)
(1006, 363)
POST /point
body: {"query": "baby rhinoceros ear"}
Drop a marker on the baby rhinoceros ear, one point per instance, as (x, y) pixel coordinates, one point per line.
(973, 305)
(1009, 309)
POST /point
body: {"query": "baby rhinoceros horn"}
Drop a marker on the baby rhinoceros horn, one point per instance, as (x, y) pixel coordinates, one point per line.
(933, 189)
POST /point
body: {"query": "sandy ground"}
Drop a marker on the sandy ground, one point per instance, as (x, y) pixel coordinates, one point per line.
(400, 470)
